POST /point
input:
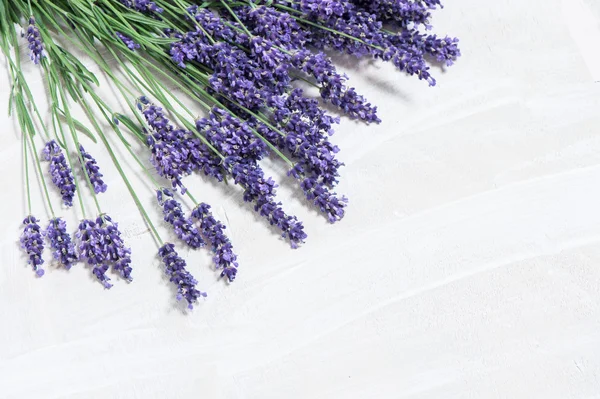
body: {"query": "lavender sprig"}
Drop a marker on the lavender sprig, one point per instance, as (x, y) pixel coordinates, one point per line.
(175, 152)
(93, 171)
(34, 38)
(91, 248)
(101, 245)
(61, 243)
(175, 269)
(173, 214)
(213, 231)
(33, 244)
(261, 191)
(115, 251)
(61, 173)
(129, 42)
(142, 6)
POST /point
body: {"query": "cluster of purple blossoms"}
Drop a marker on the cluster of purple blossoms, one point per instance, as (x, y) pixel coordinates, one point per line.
(231, 136)
(332, 86)
(356, 28)
(142, 6)
(173, 214)
(403, 12)
(34, 38)
(93, 171)
(175, 269)
(114, 247)
(443, 50)
(326, 201)
(61, 243)
(261, 191)
(276, 27)
(62, 175)
(249, 56)
(212, 230)
(101, 245)
(32, 242)
(129, 42)
(176, 152)
(91, 248)
(306, 138)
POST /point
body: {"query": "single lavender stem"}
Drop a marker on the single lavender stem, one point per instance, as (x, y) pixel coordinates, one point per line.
(35, 43)
(175, 269)
(213, 230)
(32, 242)
(173, 214)
(93, 171)
(61, 243)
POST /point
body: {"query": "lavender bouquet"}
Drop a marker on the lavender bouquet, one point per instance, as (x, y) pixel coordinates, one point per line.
(239, 61)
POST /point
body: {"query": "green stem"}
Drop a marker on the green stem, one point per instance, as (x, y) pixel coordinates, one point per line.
(27, 174)
(39, 167)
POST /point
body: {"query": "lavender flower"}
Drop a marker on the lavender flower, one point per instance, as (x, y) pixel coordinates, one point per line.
(115, 251)
(212, 229)
(131, 45)
(403, 12)
(91, 248)
(277, 27)
(176, 152)
(101, 245)
(61, 173)
(333, 88)
(307, 130)
(34, 38)
(327, 202)
(231, 136)
(61, 243)
(444, 50)
(261, 191)
(173, 214)
(33, 244)
(93, 171)
(175, 268)
(142, 6)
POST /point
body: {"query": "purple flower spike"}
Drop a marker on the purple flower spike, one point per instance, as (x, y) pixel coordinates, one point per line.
(261, 191)
(101, 244)
(34, 39)
(114, 248)
(333, 88)
(91, 248)
(327, 202)
(61, 243)
(176, 152)
(93, 171)
(175, 268)
(402, 12)
(33, 244)
(277, 27)
(146, 6)
(173, 214)
(131, 45)
(231, 136)
(61, 173)
(212, 229)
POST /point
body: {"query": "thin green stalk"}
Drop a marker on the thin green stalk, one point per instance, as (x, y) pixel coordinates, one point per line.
(27, 174)
(39, 167)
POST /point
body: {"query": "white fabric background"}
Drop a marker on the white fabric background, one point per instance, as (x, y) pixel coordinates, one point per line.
(467, 265)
